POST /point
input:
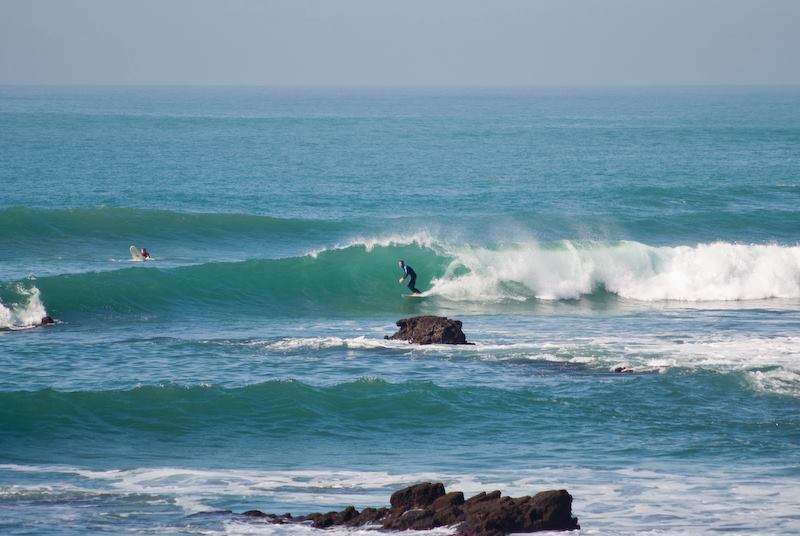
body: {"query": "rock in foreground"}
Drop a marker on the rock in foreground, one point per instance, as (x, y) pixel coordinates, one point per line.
(426, 506)
(430, 330)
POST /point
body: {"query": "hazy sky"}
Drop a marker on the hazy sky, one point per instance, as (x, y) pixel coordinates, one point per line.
(404, 42)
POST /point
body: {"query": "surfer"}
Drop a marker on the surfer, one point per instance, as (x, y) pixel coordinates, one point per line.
(145, 254)
(409, 273)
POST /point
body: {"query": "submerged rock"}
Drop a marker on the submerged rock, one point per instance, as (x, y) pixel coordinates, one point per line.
(429, 330)
(427, 505)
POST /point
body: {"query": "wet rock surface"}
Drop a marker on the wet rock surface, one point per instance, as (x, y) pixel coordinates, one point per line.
(427, 505)
(429, 330)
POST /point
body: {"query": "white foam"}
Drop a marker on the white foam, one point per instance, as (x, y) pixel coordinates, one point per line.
(318, 343)
(627, 500)
(770, 363)
(28, 312)
(236, 528)
(194, 485)
(717, 271)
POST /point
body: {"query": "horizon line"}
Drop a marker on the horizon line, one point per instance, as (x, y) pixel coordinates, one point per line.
(396, 86)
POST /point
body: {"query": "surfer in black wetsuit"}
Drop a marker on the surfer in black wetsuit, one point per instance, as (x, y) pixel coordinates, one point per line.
(411, 274)
(145, 254)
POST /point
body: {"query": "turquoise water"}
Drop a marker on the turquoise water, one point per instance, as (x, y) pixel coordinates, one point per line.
(573, 231)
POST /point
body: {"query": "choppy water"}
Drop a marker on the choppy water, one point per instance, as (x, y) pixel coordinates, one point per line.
(573, 231)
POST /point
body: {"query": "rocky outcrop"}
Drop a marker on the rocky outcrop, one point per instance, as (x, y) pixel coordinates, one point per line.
(429, 330)
(427, 505)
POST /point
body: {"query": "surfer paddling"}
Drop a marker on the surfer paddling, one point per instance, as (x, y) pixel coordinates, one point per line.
(408, 272)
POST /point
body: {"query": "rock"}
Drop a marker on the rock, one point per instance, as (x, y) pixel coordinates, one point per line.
(209, 513)
(483, 496)
(427, 505)
(368, 516)
(415, 519)
(623, 370)
(454, 498)
(416, 496)
(430, 330)
(493, 515)
(258, 513)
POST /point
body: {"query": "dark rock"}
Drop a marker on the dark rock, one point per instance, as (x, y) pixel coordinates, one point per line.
(447, 516)
(329, 519)
(426, 506)
(415, 519)
(483, 496)
(454, 498)
(348, 514)
(211, 513)
(258, 513)
(368, 516)
(429, 330)
(493, 515)
(623, 370)
(417, 496)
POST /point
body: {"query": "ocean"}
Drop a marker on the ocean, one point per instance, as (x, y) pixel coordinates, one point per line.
(573, 231)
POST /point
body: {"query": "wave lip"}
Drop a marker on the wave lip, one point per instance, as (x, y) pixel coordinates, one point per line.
(26, 312)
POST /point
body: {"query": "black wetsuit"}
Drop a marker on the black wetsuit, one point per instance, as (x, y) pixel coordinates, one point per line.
(412, 278)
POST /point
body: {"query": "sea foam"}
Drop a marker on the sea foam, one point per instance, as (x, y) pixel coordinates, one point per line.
(718, 271)
(29, 311)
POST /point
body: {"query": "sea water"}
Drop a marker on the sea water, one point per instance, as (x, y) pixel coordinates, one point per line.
(573, 231)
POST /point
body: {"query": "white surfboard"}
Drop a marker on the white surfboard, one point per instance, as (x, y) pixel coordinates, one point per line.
(21, 328)
(415, 296)
(136, 255)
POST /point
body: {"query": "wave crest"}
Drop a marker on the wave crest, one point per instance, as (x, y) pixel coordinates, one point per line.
(718, 271)
(27, 311)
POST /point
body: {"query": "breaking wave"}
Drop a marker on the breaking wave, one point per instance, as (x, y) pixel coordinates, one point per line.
(27, 309)
(718, 271)
(361, 276)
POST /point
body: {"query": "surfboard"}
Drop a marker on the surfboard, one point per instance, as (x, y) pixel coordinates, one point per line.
(21, 328)
(414, 296)
(136, 255)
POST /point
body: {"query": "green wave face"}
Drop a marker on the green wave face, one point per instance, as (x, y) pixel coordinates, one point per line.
(337, 281)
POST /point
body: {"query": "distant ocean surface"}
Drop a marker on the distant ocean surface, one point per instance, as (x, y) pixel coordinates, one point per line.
(573, 231)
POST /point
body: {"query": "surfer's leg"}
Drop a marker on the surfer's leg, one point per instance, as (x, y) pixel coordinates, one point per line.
(412, 284)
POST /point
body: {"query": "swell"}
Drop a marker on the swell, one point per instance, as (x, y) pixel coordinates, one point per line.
(22, 224)
(366, 407)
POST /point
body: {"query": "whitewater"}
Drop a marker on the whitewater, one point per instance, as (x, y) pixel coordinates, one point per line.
(627, 263)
